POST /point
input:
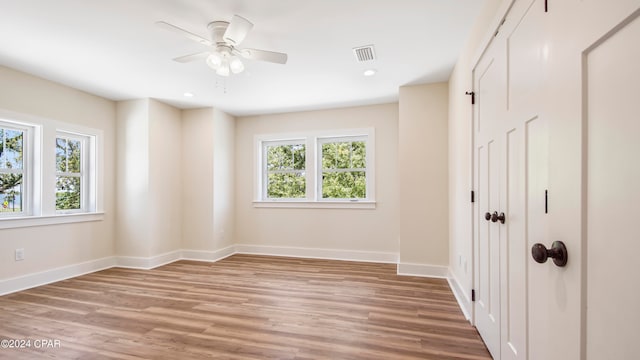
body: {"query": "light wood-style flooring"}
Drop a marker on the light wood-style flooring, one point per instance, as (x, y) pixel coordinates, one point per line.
(242, 307)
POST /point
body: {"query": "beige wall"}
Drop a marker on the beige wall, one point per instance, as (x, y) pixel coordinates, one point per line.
(460, 151)
(208, 179)
(224, 131)
(165, 181)
(197, 173)
(340, 229)
(149, 183)
(133, 178)
(49, 247)
(423, 175)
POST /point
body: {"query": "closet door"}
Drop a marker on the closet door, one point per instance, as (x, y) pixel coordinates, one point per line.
(525, 168)
(556, 150)
(589, 308)
(488, 153)
(511, 163)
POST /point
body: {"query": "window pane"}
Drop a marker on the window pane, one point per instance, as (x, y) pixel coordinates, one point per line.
(336, 155)
(11, 149)
(298, 156)
(344, 185)
(286, 185)
(61, 155)
(279, 158)
(286, 157)
(358, 155)
(10, 193)
(73, 152)
(329, 156)
(344, 155)
(67, 193)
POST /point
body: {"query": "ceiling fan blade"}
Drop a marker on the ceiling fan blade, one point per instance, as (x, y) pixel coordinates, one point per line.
(183, 32)
(192, 57)
(238, 29)
(264, 55)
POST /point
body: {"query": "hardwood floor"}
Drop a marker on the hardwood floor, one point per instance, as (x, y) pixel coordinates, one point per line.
(242, 307)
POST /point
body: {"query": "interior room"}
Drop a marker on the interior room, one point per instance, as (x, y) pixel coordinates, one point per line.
(249, 179)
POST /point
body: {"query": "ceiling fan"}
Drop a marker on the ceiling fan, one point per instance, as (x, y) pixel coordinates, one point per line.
(224, 57)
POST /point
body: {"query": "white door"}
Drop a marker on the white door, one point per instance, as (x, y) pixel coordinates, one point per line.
(509, 177)
(488, 78)
(612, 241)
(588, 309)
(570, 129)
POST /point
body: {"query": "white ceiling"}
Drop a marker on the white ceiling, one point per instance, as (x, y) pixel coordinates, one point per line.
(113, 49)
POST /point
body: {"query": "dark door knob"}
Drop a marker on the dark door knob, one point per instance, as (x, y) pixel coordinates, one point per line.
(495, 217)
(487, 216)
(558, 253)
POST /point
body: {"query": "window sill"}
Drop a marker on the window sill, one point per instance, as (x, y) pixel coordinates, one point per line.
(316, 204)
(30, 221)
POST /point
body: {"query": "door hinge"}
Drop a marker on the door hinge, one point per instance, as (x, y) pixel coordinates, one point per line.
(546, 201)
(473, 295)
(473, 96)
(473, 196)
(546, 5)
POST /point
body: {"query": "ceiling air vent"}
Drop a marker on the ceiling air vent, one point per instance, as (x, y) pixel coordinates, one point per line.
(364, 53)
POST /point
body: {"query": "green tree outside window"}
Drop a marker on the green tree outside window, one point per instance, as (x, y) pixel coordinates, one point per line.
(285, 171)
(344, 170)
(68, 173)
(11, 169)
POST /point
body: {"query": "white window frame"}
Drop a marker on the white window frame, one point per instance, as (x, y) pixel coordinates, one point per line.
(343, 139)
(40, 185)
(313, 171)
(27, 166)
(265, 171)
(84, 174)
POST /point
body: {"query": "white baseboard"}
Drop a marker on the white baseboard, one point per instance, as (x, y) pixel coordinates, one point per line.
(203, 255)
(147, 263)
(32, 280)
(330, 254)
(410, 269)
(461, 296)
(24, 282)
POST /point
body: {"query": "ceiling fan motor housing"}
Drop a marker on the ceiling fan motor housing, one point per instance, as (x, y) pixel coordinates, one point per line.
(217, 29)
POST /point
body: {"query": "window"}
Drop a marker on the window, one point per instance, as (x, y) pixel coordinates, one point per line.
(344, 167)
(13, 167)
(324, 169)
(284, 169)
(48, 172)
(71, 177)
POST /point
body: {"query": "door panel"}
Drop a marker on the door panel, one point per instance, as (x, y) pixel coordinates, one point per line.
(613, 177)
(513, 274)
(537, 158)
(527, 52)
(487, 154)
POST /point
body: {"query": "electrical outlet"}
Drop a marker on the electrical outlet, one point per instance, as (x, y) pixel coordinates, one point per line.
(19, 254)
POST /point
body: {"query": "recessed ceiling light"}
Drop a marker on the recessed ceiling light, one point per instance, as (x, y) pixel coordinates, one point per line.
(188, 94)
(370, 72)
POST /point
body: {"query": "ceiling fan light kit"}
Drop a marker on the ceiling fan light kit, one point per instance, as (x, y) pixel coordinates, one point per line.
(225, 64)
(236, 65)
(224, 57)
